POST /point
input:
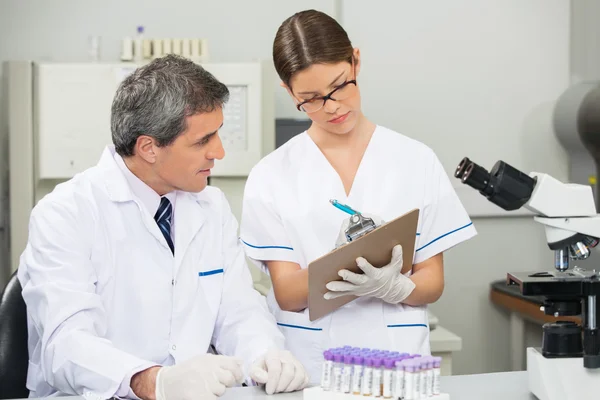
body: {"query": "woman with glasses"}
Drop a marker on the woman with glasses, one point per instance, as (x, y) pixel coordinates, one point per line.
(288, 221)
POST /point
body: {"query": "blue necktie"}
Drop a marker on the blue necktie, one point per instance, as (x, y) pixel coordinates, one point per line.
(163, 219)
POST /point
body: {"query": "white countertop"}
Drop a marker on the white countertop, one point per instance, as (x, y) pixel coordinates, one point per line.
(496, 386)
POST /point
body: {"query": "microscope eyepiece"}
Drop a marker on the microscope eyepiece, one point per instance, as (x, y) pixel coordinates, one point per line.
(505, 186)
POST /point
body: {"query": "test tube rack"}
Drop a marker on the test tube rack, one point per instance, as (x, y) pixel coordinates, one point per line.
(317, 393)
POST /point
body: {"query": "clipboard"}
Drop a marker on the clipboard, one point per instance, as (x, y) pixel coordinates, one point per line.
(375, 246)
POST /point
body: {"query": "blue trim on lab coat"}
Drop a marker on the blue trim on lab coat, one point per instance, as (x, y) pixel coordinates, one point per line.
(299, 327)
(266, 247)
(444, 235)
(212, 272)
(406, 326)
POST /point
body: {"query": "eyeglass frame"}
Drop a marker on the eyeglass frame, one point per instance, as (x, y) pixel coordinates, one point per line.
(326, 97)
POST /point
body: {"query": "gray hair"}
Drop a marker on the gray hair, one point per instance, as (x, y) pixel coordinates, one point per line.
(156, 99)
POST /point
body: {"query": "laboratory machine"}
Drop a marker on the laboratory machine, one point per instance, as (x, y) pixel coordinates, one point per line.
(568, 363)
(59, 123)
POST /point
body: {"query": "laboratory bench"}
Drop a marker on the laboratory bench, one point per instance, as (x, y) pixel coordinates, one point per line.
(495, 386)
(521, 309)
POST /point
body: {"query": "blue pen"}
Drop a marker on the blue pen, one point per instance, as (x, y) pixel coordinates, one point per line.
(343, 207)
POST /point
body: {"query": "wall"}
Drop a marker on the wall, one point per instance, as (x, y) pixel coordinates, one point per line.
(471, 78)
(59, 31)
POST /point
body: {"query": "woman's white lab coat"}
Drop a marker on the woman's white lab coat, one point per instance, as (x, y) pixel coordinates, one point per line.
(106, 297)
(287, 216)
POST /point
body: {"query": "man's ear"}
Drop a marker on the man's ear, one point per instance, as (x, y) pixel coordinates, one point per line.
(145, 147)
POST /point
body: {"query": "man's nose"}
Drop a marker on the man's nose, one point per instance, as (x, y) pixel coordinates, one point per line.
(217, 152)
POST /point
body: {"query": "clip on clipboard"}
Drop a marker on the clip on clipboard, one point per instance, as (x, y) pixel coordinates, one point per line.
(375, 246)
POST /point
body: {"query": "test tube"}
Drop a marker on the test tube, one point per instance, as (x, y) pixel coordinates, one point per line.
(337, 372)
(376, 386)
(388, 380)
(398, 387)
(437, 362)
(357, 374)
(417, 378)
(423, 377)
(327, 368)
(347, 373)
(367, 380)
(409, 379)
(429, 377)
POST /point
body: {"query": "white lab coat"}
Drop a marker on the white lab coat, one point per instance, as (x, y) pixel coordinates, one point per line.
(287, 216)
(105, 296)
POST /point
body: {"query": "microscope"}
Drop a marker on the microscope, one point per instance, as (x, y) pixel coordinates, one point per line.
(568, 364)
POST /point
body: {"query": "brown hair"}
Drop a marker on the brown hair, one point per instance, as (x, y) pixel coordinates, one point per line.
(306, 38)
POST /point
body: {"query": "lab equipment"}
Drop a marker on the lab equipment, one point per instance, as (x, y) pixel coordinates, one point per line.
(377, 384)
(576, 124)
(388, 373)
(327, 370)
(570, 355)
(367, 380)
(378, 373)
(357, 373)
(337, 372)
(138, 42)
(59, 124)
(437, 362)
(141, 49)
(347, 373)
(411, 380)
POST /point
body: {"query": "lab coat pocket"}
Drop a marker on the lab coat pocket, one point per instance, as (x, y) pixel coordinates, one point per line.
(408, 328)
(306, 340)
(210, 283)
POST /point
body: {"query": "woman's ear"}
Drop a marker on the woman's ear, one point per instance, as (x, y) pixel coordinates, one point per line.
(289, 90)
(356, 56)
(286, 87)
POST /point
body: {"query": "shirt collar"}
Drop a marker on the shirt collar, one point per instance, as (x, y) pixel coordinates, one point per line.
(149, 198)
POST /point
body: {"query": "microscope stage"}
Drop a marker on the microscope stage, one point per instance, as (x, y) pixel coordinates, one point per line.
(554, 283)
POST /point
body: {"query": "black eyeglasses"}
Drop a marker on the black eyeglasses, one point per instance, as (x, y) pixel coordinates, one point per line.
(341, 92)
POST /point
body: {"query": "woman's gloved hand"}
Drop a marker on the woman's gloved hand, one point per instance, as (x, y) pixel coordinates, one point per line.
(386, 283)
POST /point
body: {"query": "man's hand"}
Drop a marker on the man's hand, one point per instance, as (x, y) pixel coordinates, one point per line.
(201, 378)
(279, 371)
(386, 283)
(143, 383)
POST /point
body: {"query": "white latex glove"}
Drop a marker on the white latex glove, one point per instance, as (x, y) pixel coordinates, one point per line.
(341, 239)
(386, 283)
(201, 378)
(279, 371)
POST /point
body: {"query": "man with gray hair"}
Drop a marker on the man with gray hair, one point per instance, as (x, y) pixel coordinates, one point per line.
(133, 268)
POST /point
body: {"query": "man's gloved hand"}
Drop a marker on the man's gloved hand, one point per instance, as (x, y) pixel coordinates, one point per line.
(386, 283)
(279, 371)
(203, 377)
(341, 239)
